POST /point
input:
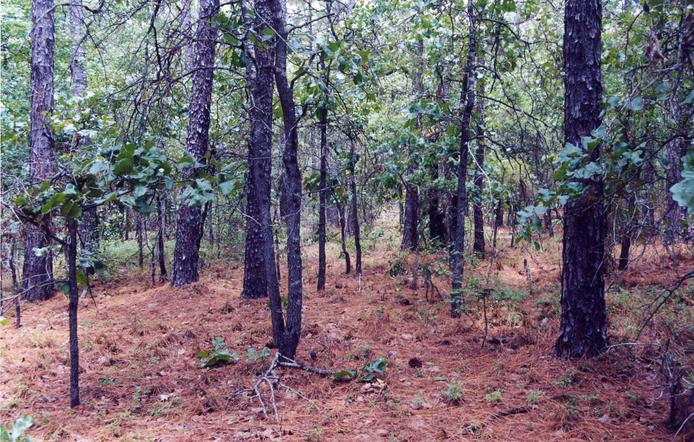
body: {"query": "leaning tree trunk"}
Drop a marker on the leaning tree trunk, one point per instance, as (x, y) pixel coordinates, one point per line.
(190, 219)
(260, 77)
(467, 101)
(37, 273)
(478, 215)
(583, 327)
(287, 338)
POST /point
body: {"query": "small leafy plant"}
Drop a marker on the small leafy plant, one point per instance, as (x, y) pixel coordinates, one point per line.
(219, 354)
(493, 397)
(373, 368)
(253, 355)
(15, 434)
(453, 393)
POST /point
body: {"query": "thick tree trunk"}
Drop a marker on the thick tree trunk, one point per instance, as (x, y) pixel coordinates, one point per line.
(189, 223)
(37, 273)
(478, 215)
(287, 338)
(323, 193)
(467, 101)
(583, 327)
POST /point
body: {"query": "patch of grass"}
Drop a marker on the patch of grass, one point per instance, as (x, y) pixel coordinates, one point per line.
(453, 393)
(534, 397)
(567, 380)
(493, 397)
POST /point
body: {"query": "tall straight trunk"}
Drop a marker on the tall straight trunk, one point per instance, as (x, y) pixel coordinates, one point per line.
(478, 215)
(410, 233)
(288, 335)
(72, 312)
(89, 233)
(343, 239)
(260, 78)
(583, 327)
(437, 226)
(355, 213)
(161, 228)
(37, 273)
(467, 101)
(140, 235)
(323, 193)
(189, 223)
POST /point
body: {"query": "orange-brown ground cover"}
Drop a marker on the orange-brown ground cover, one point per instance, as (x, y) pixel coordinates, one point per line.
(141, 379)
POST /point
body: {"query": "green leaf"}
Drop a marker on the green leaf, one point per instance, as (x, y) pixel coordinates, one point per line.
(4, 321)
(344, 375)
(123, 167)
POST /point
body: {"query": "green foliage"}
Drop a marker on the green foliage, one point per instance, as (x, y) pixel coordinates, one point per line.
(254, 355)
(453, 393)
(16, 433)
(372, 369)
(493, 397)
(217, 355)
(683, 192)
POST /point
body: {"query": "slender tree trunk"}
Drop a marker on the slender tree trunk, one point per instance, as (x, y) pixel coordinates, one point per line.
(583, 327)
(37, 273)
(190, 219)
(355, 215)
(410, 234)
(437, 226)
(139, 234)
(467, 101)
(323, 192)
(161, 226)
(187, 19)
(478, 215)
(343, 239)
(72, 312)
(288, 340)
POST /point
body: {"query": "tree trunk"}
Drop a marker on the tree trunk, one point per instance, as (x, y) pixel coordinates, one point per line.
(287, 338)
(355, 214)
(139, 234)
(323, 192)
(343, 239)
(437, 226)
(583, 328)
(467, 101)
(37, 273)
(161, 226)
(190, 219)
(72, 312)
(478, 215)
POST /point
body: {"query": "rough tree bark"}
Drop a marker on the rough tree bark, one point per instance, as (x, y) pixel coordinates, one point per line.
(72, 312)
(260, 77)
(343, 239)
(37, 273)
(467, 101)
(286, 336)
(190, 219)
(583, 327)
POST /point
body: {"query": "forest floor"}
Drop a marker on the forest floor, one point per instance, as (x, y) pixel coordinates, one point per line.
(141, 378)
